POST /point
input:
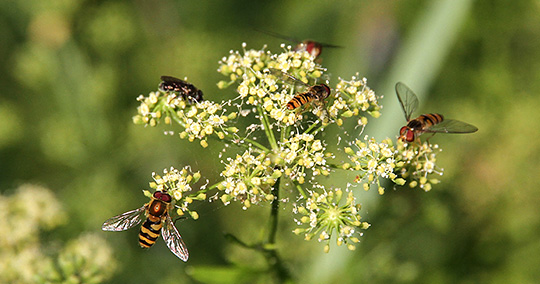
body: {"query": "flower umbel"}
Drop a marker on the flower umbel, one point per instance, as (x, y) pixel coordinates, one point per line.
(248, 178)
(304, 156)
(374, 161)
(178, 184)
(199, 120)
(326, 215)
(416, 163)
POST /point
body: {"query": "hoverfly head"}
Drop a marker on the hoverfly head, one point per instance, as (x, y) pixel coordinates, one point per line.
(163, 196)
(312, 47)
(406, 133)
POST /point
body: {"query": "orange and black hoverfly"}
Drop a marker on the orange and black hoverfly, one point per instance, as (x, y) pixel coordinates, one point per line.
(314, 93)
(425, 123)
(157, 221)
(185, 89)
(312, 47)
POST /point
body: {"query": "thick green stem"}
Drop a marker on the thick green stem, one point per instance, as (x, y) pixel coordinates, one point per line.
(272, 258)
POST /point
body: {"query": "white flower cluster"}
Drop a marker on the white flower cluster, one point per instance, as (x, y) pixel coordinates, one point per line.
(248, 178)
(257, 87)
(175, 182)
(178, 184)
(374, 160)
(356, 98)
(199, 120)
(418, 164)
(325, 214)
(303, 152)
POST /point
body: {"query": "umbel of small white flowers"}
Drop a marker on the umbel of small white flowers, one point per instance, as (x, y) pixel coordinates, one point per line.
(275, 120)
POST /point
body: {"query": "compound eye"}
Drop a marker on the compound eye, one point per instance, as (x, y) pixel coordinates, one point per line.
(157, 194)
(165, 197)
(410, 136)
(402, 131)
(327, 89)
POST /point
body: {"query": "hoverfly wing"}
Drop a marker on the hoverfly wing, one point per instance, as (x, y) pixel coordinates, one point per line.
(407, 99)
(124, 221)
(280, 36)
(452, 126)
(295, 40)
(287, 78)
(173, 239)
(329, 45)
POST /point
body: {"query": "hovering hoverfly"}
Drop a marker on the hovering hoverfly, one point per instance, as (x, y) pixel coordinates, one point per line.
(315, 93)
(157, 217)
(185, 89)
(425, 123)
(312, 47)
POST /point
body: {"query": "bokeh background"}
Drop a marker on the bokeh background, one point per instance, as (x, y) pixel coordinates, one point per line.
(70, 72)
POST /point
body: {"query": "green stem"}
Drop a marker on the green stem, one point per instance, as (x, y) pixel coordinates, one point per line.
(250, 141)
(310, 128)
(177, 119)
(275, 263)
(267, 129)
(301, 190)
(313, 126)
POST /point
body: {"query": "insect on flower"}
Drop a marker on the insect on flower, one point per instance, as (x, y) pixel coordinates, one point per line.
(157, 221)
(425, 123)
(185, 89)
(315, 93)
(312, 47)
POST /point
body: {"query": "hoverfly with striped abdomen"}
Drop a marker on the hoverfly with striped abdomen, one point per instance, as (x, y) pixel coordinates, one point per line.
(185, 89)
(315, 93)
(425, 123)
(314, 48)
(157, 221)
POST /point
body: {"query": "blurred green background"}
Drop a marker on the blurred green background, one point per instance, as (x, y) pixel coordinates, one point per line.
(70, 72)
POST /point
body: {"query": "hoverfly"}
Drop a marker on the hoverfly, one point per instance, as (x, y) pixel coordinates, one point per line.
(185, 89)
(157, 221)
(312, 47)
(429, 123)
(314, 93)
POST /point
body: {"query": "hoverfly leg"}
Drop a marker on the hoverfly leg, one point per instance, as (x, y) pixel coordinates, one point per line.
(432, 134)
(179, 218)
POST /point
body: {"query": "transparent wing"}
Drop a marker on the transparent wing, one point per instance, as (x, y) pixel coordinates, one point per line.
(292, 39)
(276, 35)
(452, 126)
(407, 99)
(287, 78)
(124, 221)
(173, 239)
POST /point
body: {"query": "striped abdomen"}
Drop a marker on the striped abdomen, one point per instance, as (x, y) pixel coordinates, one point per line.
(317, 92)
(429, 120)
(150, 230)
(300, 100)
